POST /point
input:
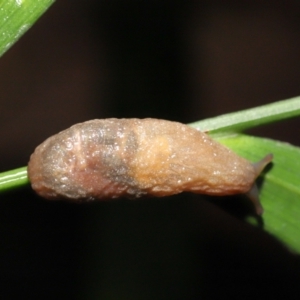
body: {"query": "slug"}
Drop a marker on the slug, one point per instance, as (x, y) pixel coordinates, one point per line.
(112, 158)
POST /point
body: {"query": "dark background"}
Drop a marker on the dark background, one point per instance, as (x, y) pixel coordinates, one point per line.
(177, 60)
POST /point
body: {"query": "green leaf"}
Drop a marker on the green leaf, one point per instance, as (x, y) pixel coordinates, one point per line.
(16, 17)
(249, 118)
(13, 179)
(280, 191)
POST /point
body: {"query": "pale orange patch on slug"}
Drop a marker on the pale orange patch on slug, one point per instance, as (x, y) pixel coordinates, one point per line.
(152, 155)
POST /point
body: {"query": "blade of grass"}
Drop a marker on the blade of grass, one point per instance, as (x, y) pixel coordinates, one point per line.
(280, 191)
(16, 17)
(249, 118)
(13, 179)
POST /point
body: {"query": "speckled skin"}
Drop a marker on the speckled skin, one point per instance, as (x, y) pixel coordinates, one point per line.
(111, 158)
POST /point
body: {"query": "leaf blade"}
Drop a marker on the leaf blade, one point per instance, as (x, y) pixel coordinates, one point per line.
(16, 17)
(280, 192)
(13, 179)
(249, 118)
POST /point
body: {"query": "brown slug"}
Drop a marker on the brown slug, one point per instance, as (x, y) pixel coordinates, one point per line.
(111, 158)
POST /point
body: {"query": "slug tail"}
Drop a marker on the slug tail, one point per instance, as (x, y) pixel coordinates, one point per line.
(259, 166)
(253, 196)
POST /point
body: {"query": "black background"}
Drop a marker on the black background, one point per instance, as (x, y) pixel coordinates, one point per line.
(177, 60)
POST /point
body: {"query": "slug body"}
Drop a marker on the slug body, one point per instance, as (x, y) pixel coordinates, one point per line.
(111, 158)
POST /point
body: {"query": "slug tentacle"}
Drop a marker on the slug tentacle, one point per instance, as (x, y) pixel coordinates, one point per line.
(112, 158)
(260, 165)
(253, 196)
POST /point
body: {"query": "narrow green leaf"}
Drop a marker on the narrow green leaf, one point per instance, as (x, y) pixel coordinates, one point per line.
(13, 179)
(249, 118)
(16, 17)
(280, 191)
